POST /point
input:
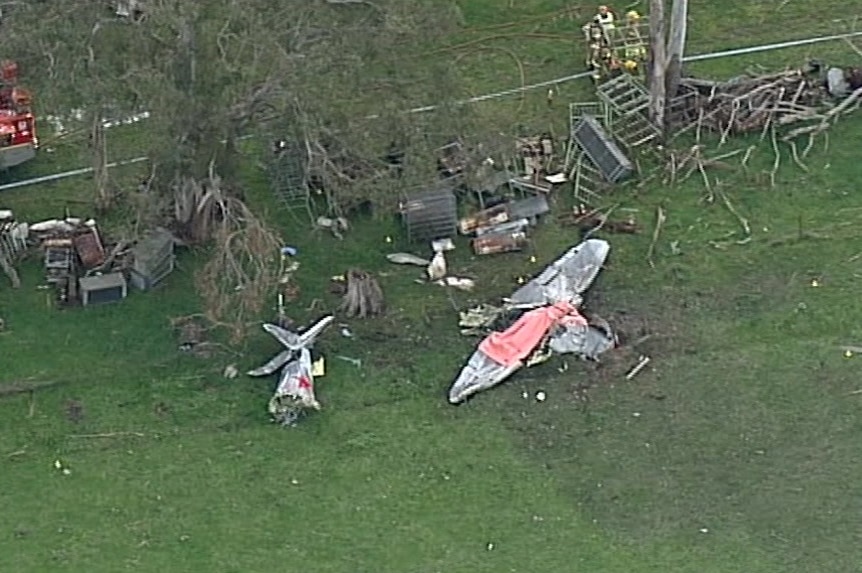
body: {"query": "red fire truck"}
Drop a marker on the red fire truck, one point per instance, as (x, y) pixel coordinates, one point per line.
(18, 141)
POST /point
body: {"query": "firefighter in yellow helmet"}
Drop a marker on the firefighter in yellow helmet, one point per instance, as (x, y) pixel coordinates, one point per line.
(635, 47)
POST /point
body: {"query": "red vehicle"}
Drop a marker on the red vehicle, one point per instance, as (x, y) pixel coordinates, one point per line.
(18, 141)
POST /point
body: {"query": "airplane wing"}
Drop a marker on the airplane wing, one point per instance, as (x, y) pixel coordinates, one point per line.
(294, 341)
(566, 278)
(277, 362)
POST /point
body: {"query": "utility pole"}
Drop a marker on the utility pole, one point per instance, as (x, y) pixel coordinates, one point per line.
(657, 64)
(676, 45)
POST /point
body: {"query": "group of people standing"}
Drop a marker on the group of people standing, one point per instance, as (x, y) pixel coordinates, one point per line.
(611, 50)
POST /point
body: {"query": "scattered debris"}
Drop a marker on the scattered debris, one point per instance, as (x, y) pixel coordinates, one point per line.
(500, 242)
(475, 320)
(230, 372)
(355, 361)
(503, 228)
(336, 226)
(407, 259)
(442, 245)
(590, 221)
(459, 283)
(437, 268)
(642, 362)
(531, 209)
(364, 298)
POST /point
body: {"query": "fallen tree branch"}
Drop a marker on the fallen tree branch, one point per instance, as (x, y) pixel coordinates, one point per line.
(746, 228)
(12, 388)
(660, 219)
(108, 435)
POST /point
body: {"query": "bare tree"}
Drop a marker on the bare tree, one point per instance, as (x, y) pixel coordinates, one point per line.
(676, 45)
(657, 64)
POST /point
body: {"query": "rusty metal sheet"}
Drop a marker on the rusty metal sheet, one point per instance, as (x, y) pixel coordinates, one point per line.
(90, 249)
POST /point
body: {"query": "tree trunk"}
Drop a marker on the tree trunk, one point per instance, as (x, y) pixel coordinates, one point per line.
(99, 149)
(676, 45)
(658, 64)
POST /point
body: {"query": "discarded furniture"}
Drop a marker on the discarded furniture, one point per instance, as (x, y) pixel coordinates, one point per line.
(535, 153)
(102, 289)
(13, 243)
(531, 184)
(530, 209)
(153, 259)
(500, 241)
(601, 149)
(452, 159)
(59, 260)
(431, 214)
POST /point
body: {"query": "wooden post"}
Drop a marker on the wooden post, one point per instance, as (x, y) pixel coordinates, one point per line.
(676, 45)
(657, 64)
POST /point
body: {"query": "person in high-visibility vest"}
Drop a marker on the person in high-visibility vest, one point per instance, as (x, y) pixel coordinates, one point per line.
(596, 43)
(596, 70)
(635, 48)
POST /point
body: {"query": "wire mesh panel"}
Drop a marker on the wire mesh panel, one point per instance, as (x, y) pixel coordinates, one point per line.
(287, 174)
(430, 214)
(602, 150)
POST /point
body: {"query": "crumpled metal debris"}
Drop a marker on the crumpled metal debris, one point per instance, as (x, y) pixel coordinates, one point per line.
(473, 320)
(407, 259)
(460, 283)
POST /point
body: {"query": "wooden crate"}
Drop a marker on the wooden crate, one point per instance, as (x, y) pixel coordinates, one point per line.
(152, 251)
(146, 282)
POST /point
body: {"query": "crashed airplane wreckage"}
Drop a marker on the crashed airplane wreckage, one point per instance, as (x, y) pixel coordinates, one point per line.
(552, 326)
(294, 394)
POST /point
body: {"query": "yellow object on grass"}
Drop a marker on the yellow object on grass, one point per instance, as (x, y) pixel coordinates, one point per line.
(318, 368)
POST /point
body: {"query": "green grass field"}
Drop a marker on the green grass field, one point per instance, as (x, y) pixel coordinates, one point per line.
(736, 451)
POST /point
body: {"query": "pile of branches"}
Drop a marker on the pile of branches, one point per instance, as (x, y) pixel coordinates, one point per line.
(242, 272)
(750, 103)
